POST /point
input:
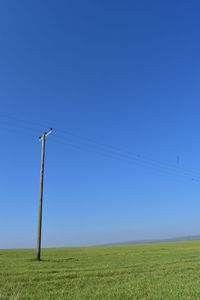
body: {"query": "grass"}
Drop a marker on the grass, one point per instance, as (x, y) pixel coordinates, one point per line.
(154, 271)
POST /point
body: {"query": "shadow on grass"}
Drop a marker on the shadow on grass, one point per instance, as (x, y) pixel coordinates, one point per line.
(53, 260)
(60, 260)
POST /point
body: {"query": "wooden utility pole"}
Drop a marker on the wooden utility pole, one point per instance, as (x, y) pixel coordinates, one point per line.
(43, 139)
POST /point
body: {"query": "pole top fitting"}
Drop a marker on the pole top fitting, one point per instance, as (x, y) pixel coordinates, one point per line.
(46, 134)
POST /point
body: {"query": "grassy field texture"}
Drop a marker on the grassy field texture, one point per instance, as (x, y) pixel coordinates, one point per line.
(152, 271)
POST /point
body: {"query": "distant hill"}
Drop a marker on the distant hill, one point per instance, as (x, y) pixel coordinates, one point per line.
(175, 239)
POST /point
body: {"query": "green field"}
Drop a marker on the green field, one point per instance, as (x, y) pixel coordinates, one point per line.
(151, 271)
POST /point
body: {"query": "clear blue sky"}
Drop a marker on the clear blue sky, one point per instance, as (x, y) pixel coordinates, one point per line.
(106, 75)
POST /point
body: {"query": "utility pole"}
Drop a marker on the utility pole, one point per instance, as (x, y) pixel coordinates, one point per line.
(43, 139)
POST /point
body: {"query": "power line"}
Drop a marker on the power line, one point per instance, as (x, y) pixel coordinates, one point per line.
(130, 154)
(110, 150)
(127, 160)
(16, 130)
(149, 163)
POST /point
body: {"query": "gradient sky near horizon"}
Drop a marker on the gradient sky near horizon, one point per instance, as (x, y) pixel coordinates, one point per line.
(119, 83)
